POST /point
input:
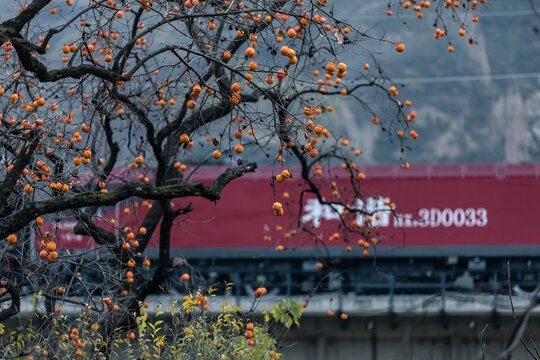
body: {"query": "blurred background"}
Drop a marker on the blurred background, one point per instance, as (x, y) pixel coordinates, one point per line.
(480, 103)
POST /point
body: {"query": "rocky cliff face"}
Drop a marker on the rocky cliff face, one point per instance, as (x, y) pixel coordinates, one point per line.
(480, 103)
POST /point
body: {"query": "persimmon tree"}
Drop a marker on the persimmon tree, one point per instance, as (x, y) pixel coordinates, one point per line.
(106, 101)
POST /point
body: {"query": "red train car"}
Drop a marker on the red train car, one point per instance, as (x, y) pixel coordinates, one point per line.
(441, 210)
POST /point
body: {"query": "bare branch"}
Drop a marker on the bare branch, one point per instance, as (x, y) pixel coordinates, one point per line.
(15, 305)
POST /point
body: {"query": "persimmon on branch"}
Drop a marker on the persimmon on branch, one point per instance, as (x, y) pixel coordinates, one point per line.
(31, 142)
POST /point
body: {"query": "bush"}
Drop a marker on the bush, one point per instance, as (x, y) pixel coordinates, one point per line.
(196, 327)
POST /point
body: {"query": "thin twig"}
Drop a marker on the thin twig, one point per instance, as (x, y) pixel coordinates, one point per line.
(519, 329)
(482, 343)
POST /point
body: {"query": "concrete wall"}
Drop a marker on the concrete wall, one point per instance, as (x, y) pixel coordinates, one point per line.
(404, 338)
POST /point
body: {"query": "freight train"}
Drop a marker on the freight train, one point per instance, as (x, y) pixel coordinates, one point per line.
(453, 226)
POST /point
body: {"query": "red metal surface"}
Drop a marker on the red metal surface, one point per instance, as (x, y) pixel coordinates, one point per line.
(485, 205)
